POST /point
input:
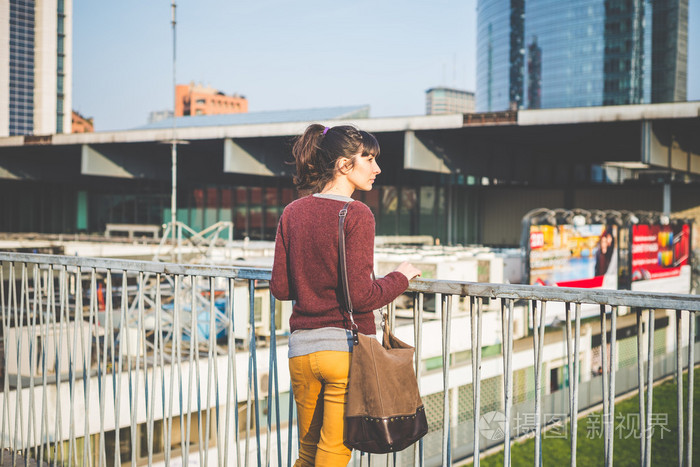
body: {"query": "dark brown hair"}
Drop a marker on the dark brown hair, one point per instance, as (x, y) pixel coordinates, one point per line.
(318, 149)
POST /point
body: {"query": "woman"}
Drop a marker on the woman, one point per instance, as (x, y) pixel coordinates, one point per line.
(331, 164)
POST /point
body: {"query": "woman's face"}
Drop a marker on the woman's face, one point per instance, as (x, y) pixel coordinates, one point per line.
(363, 172)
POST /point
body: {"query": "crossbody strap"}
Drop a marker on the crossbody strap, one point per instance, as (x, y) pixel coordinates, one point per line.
(344, 269)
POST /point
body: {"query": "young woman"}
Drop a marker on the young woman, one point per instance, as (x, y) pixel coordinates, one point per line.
(331, 164)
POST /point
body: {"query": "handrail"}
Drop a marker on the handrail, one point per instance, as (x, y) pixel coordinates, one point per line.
(172, 349)
(507, 291)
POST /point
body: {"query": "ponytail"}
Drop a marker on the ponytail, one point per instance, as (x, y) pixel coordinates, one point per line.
(319, 148)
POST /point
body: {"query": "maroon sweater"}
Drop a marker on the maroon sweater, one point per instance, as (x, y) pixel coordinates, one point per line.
(305, 268)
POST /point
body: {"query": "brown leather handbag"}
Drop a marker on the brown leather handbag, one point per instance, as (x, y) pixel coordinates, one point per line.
(384, 411)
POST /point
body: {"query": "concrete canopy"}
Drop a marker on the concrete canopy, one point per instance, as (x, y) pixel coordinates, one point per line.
(514, 147)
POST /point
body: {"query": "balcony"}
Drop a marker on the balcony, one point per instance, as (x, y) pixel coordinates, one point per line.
(113, 362)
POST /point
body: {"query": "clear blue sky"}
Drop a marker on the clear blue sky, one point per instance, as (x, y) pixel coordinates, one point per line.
(281, 54)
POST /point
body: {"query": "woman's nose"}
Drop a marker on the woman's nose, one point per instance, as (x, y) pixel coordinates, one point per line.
(376, 168)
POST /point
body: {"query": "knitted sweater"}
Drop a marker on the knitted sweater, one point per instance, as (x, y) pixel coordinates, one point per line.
(305, 267)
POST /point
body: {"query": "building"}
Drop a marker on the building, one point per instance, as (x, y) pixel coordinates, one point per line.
(534, 75)
(195, 99)
(563, 53)
(81, 124)
(460, 178)
(158, 115)
(35, 89)
(442, 100)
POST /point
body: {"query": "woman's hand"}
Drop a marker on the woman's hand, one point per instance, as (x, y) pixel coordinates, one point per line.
(408, 270)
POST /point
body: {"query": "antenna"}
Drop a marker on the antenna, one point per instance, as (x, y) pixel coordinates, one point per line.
(454, 70)
(173, 194)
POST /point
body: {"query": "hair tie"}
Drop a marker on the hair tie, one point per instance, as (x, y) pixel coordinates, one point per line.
(325, 130)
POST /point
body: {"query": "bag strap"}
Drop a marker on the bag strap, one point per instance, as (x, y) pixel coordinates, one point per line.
(344, 270)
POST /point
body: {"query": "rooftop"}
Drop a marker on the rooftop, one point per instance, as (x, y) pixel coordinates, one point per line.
(253, 118)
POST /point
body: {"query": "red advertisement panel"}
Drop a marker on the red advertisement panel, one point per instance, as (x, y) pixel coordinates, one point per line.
(659, 251)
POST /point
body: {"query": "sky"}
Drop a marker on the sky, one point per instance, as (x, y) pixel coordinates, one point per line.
(280, 54)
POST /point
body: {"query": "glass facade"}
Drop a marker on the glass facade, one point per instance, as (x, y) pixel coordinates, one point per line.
(447, 100)
(669, 50)
(580, 53)
(60, 72)
(517, 53)
(571, 48)
(407, 209)
(22, 18)
(624, 52)
(493, 59)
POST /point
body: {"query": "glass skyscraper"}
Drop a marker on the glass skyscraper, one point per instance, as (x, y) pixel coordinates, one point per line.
(21, 67)
(35, 76)
(578, 53)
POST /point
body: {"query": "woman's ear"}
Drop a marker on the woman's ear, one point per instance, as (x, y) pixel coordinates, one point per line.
(343, 164)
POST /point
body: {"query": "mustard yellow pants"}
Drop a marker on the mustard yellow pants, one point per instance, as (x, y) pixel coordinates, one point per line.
(320, 385)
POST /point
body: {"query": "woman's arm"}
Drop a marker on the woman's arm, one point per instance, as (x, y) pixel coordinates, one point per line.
(279, 283)
(367, 294)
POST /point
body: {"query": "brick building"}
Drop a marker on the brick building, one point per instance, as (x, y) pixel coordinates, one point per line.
(80, 124)
(196, 99)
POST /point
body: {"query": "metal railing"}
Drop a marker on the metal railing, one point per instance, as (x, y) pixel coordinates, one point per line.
(109, 362)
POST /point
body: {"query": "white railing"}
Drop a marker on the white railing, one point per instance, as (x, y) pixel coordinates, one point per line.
(108, 362)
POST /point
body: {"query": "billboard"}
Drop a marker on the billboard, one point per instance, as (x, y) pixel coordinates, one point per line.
(573, 255)
(661, 258)
(568, 255)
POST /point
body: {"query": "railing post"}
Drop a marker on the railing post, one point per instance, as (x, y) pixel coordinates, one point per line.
(252, 376)
(640, 379)
(691, 389)
(273, 387)
(176, 365)
(194, 344)
(141, 338)
(606, 399)
(102, 369)
(476, 374)
(417, 340)
(211, 370)
(5, 417)
(539, 348)
(507, 351)
(611, 389)
(446, 302)
(650, 389)
(569, 359)
(35, 439)
(575, 379)
(19, 412)
(231, 378)
(679, 386)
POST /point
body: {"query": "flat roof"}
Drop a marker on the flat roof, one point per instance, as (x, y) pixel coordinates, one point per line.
(288, 125)
(425, 122)
(273, 116)
(610, 113)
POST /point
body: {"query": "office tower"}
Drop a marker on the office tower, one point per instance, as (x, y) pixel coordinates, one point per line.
(534, 75)
(578, 53)
(443, 100)
(35, 79)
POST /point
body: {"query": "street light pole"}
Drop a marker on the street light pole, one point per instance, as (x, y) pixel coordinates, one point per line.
(173, 195)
